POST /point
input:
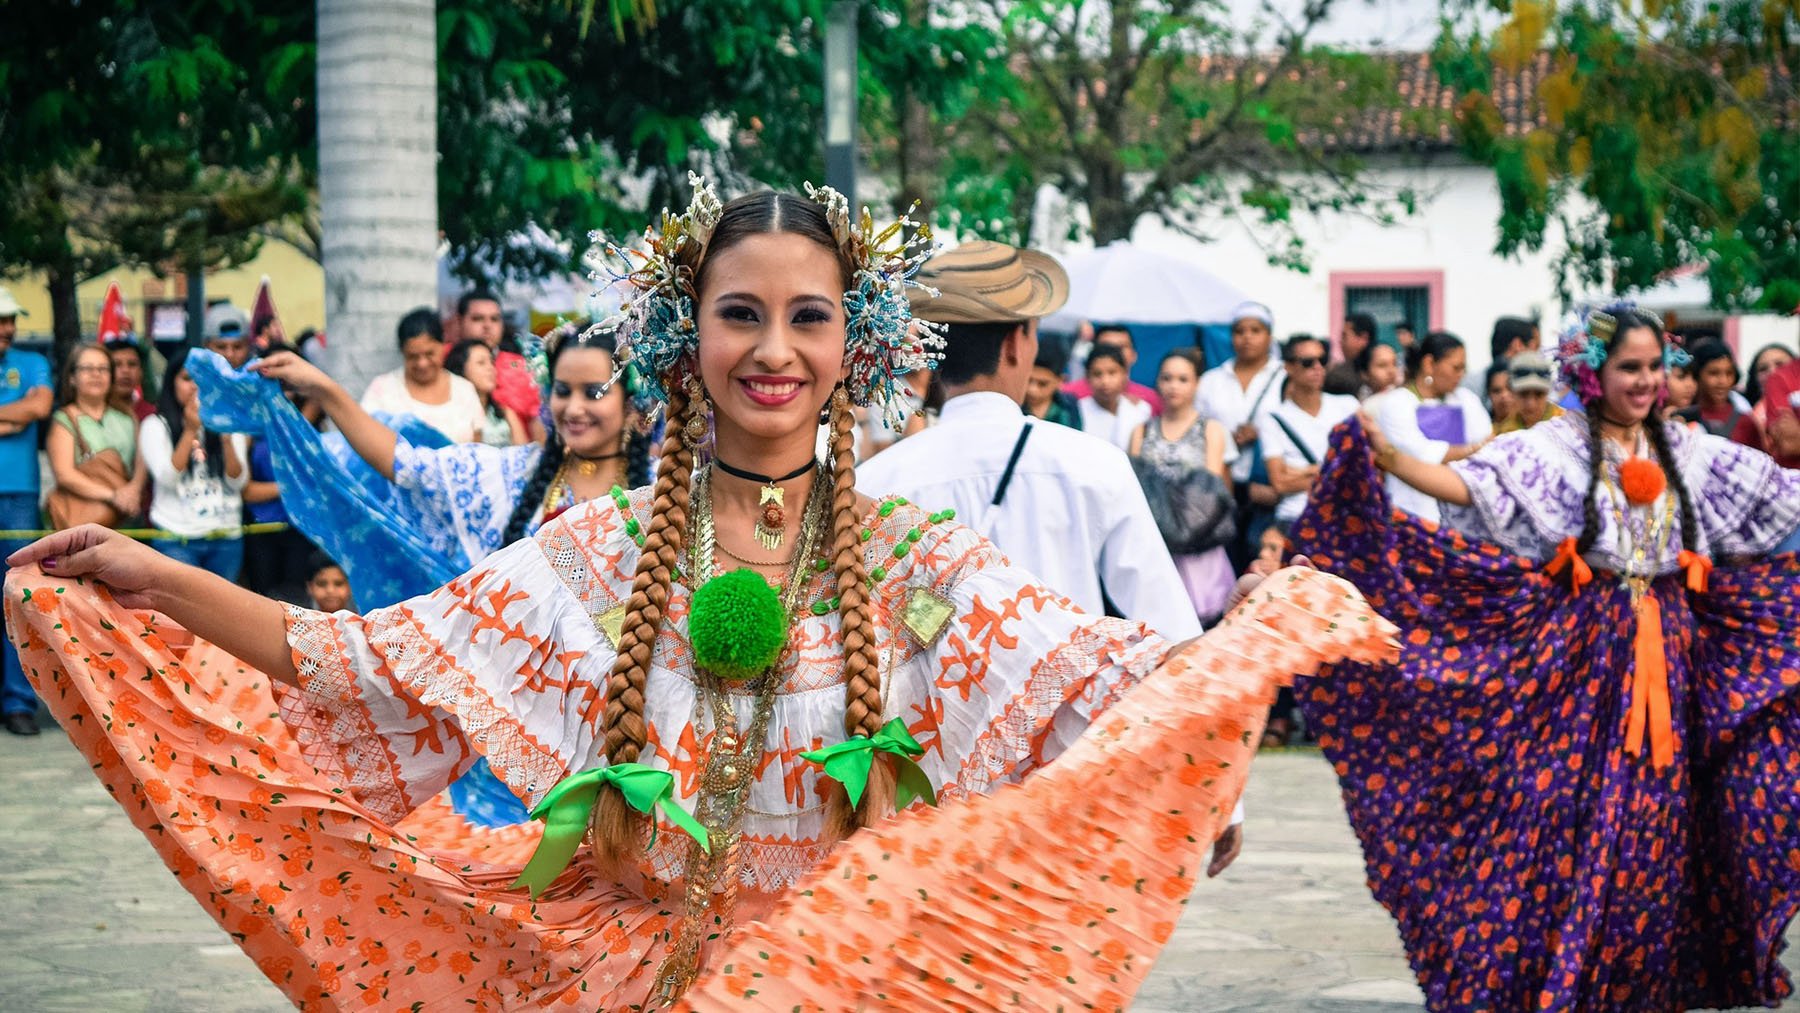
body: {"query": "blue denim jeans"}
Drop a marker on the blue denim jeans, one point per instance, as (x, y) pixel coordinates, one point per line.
(18, 512)
(223, 556)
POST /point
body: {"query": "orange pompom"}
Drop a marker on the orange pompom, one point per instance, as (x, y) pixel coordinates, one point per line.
(1642, 481)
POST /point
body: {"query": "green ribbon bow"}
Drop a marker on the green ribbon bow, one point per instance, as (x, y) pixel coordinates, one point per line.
(569, 806)
(850, 761)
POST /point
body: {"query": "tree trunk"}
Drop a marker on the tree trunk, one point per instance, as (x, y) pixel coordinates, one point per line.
(1109, 211)
(377, 175)
(65, 314)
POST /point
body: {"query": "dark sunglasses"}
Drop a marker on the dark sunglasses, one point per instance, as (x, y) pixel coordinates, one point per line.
(1307, 361)
(1543, 374)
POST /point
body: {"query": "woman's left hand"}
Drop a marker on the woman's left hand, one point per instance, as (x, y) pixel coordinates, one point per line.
(1259, 572)
(126, 500)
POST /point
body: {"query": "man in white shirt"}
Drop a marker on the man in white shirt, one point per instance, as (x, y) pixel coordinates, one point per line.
(1296, 432)
(1237, 392)
(1062, 504)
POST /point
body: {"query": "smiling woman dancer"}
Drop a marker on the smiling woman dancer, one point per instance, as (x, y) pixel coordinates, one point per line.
(726, 731)
(1578, 790)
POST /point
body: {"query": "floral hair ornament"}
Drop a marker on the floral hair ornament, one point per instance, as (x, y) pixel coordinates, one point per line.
(660, 338)
(1582, 350)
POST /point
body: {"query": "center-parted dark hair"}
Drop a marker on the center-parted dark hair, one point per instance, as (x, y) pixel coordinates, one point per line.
(637, 443)
(422, 321)
(973, 350)
(169, 410)
(1190, 355)
(1655, 431)
(1434, 345)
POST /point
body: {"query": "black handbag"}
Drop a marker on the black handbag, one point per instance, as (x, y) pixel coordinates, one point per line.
(1193, 510)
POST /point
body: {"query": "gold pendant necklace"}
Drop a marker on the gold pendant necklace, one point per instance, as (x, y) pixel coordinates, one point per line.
(771, 502)
(728, 772)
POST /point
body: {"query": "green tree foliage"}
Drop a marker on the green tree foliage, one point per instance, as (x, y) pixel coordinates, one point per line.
(161, 135)
(1173, 108)
(1668, 134)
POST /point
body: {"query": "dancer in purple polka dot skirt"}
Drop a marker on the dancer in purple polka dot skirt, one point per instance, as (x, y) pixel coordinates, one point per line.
(1581, 787)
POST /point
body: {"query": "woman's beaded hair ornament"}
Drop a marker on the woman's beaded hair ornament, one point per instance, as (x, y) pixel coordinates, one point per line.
(1583, 349)
(660, 337)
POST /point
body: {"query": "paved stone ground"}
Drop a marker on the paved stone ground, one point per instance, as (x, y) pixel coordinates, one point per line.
(94, 921)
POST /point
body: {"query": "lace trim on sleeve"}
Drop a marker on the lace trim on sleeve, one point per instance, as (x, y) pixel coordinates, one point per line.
(330, 721)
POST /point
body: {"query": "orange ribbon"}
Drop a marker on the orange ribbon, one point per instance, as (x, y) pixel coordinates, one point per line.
(1567, 557)
(1699, 570)
(1650, 687)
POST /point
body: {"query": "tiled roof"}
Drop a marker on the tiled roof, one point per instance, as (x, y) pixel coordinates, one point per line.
(1426, 118)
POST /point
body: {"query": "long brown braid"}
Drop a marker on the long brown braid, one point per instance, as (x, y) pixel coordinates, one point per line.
(618, 830)
(862, 662)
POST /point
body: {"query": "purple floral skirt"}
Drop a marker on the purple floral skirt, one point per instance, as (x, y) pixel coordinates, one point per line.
(1531, 860)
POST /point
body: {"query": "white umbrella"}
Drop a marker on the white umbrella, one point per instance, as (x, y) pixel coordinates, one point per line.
(1125, 284)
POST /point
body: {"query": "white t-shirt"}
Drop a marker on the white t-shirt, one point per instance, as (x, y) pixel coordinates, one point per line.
(1221, 397)
(460, 419)
(1398, 416)
(1314, 432)
(1114, 427)
(192, 503)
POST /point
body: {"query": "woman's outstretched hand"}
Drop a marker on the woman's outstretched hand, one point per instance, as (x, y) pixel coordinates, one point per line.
(295, 373)
(1259, 571)
(1378, 440)
(131, 569)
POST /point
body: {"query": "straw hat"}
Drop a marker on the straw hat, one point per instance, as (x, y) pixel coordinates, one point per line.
(985, 282)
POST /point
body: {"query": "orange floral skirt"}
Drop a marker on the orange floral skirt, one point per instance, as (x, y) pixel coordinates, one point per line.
(1059, 891)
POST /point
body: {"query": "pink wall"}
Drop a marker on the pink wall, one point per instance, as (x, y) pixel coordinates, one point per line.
(1342, 280)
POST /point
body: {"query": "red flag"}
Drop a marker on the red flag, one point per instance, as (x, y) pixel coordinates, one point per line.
(262, 314)
(114, 324)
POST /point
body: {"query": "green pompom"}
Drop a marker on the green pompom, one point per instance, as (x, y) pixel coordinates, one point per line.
(736, 625)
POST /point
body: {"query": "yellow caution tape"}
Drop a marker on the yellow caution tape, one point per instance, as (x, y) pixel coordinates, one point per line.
(158, 535)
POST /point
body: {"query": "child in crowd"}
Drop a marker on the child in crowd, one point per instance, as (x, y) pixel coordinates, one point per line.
(1109, 411)
(327, 585)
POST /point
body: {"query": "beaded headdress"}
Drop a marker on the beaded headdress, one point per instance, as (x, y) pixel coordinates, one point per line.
(1582, 351)
(660, 337)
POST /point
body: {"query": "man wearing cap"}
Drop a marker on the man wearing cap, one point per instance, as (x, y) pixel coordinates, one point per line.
(1062, 504)
(227, 332)
(24, 402)
(1530, 377)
